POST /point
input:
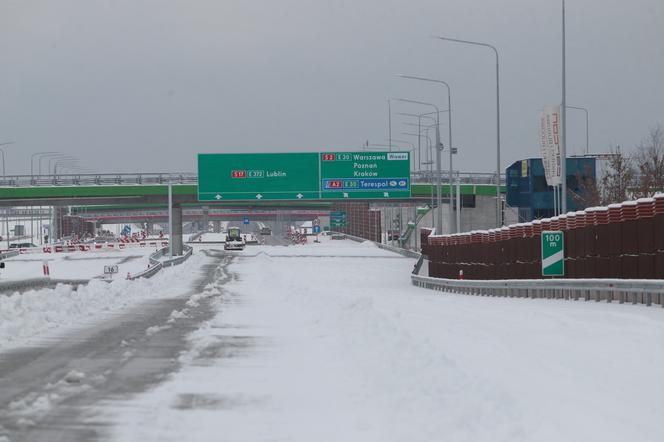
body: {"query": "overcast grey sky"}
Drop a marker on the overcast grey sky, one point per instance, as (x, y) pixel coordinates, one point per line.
(131, 85)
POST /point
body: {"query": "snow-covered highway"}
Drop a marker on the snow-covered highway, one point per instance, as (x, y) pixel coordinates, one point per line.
(331, 342)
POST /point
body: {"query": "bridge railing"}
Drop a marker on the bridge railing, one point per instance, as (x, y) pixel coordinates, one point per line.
(98, 179)
(429, 177)
(192, 178)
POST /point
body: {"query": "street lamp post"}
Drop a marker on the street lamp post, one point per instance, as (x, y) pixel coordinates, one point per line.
(439, 186)
(60, 160)
(499, 218)
(4, 175)
(389, 123)
(419, 126)
(449, 141)
(32, 181)
(563, 137)
(587, 136)
(50, 156)
(32, 159)
(63, 162)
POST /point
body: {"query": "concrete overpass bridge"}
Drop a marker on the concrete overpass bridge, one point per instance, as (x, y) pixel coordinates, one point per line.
(127, 191)
(132, 189)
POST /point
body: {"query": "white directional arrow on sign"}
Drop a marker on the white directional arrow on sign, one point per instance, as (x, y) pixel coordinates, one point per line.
(218, 197)
(259, 196)
(386, 194)
(299, 196)
(345, 195)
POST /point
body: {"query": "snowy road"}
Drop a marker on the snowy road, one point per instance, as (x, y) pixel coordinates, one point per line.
(46, 388)
(330, 342)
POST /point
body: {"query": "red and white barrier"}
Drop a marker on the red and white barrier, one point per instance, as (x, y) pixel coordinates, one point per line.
(80, 247)
(46, 270)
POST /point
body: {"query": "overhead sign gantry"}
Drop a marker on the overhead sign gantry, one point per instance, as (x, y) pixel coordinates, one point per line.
(303, 176)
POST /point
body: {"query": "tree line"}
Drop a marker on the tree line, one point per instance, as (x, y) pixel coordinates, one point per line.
(627, 175)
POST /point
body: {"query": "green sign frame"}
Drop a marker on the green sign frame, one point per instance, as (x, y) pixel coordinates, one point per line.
(553, 253)
(304, 176)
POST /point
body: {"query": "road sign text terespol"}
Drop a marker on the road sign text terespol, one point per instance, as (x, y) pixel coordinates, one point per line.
(297, 176)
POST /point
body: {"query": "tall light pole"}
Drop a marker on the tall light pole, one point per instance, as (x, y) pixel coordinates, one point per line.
(408, 143)
(32, 181)
(439, 146)
(451, 148)
(32, 159)
(39, 162)
(377, 145)
(563, 137)
(389, 123)
(499, 218)
(587, 136)
(39, 171)
(57, 158)
(4, 175)
(424, 131)
(63, 162)
(170, 219)
(419, 125)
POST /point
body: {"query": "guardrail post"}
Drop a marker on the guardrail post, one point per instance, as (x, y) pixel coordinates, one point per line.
(634, 297)
(648, 299)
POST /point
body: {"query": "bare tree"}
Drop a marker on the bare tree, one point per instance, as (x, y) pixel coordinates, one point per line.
(588, 194)
(650, 163)
(617, 178)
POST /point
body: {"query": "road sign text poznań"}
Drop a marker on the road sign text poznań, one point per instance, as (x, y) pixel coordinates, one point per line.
(303, 176)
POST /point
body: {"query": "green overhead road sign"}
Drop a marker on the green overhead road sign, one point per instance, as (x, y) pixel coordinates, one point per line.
(337, 219)
(303, 176)
(553, 253)
(375, 175)
(269, 176)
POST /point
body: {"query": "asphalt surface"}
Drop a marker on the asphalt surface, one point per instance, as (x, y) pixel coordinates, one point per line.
(46, 392)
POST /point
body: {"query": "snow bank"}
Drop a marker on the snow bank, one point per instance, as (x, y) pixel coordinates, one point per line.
(36, 312)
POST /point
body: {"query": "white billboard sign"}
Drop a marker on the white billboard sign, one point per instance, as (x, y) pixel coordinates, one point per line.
(550, 131)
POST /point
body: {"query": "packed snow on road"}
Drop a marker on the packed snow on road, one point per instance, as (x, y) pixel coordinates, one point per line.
(330, 342)
(325, 341)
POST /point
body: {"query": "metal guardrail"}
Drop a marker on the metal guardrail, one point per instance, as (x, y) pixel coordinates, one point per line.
(418, 265)
(9, 254)
(399, 250)
(188, 250)
(156, 264)
(195, 236)
(622, 290)
(24, 285)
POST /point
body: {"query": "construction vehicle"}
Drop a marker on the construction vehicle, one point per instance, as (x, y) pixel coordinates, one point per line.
(234, 239)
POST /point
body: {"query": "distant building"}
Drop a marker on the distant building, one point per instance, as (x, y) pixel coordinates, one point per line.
(527, 189)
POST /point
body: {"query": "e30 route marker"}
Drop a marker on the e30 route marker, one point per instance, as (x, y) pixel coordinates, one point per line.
(304, 176)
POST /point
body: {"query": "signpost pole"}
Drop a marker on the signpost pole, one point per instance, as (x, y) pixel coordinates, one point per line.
(170, 219)
(563, 138)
